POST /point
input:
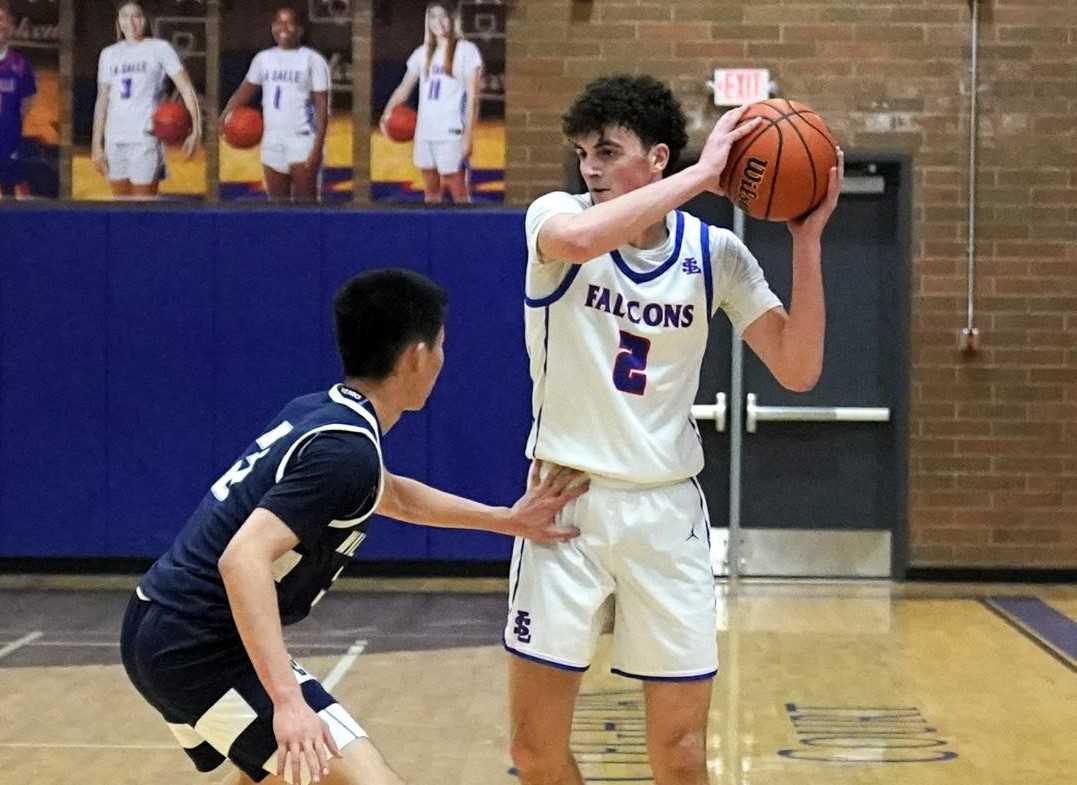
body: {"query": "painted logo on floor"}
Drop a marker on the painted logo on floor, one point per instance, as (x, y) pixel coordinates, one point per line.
(864, 734)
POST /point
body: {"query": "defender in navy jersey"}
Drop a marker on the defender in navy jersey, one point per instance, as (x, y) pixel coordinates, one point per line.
(202, 638)
(621, 287)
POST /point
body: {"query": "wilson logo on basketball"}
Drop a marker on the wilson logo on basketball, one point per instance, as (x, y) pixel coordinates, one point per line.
(754, 172)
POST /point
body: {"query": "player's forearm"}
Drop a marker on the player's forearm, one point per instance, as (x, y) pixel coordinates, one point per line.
(805, 328)
(249, 583)
(321, 124)
(600, 229)
(191, 102)
(414, 502)
(99, 110)
(27, 105)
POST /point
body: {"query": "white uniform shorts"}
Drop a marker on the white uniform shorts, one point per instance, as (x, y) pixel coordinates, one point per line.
(280, 151)
(447, 156)
(650, 548)
(139, 162)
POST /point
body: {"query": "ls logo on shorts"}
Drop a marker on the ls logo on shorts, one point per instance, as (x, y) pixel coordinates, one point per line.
(522, 630)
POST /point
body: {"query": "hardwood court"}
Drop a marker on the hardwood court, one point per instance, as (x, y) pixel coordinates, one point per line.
(835, 683)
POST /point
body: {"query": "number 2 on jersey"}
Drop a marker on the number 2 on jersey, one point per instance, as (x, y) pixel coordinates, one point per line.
(630, 365)
(125, 90)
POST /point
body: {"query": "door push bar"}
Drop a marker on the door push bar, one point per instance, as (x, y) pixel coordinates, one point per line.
(756, 413)
(715, 412)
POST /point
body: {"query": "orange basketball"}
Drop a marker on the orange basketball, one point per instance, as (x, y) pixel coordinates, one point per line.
(243, 127)
(781, 169)
(401, 123)
(171, 122)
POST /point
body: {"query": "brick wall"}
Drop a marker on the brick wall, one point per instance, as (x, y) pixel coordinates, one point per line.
(993, 453)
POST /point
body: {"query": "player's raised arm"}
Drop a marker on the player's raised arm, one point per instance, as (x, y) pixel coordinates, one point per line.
(609, 224)
(791, 344)
(532, 517)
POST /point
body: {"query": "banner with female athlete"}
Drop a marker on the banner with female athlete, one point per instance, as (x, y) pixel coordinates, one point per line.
(438, 102)
(29, 98)
(286, 100)
(140, 75)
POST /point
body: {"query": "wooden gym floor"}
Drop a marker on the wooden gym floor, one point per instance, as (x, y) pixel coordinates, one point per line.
(821, 683)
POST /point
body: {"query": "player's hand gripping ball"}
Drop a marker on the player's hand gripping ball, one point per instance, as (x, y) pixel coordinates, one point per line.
(243, 127)
(781, 170)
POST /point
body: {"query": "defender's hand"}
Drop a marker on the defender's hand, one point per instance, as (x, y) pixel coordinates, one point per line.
(303, 739)
(533, 517)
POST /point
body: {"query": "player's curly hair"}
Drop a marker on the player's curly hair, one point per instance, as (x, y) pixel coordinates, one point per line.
(642, 104)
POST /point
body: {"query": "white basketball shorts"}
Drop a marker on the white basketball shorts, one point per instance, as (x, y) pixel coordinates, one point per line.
(650, 548)
(139, 162)
(447, 156)
(281, 150)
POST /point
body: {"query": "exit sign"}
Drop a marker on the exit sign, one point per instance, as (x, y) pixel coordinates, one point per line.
(736, 86)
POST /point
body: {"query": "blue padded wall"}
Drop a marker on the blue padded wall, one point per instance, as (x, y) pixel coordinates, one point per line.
(480, 410)
(141, 349)
(159, 328)
(54, 381)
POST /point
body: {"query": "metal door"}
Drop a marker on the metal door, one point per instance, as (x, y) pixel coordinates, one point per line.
(813, 484)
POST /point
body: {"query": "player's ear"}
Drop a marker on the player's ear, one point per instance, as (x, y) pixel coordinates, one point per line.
(659, 157)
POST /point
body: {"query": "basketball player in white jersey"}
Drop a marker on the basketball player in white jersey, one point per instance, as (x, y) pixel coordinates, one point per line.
(447, 68)
(130, 77)
(295, 84)
(620, 289)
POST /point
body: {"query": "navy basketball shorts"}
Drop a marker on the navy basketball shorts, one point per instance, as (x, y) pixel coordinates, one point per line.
(206, 689)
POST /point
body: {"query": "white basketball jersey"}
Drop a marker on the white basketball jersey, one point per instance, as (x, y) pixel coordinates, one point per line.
(287, 78)
(135, 74)
(443, 95)
(616, 345)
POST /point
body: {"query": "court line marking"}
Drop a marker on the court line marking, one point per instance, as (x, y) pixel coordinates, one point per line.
(30, 637)
(1013, 619)
(295, 644)
(344, 664)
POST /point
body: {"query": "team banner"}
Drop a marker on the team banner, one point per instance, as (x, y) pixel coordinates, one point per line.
(29, 99)
(438, 102)
(139, 100)
(286, 92)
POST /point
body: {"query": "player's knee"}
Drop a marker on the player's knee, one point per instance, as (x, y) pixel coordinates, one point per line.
(538, 762)
(681, 755)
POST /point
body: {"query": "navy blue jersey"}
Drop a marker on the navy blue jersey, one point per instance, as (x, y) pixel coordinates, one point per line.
(318, 468)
